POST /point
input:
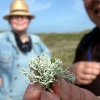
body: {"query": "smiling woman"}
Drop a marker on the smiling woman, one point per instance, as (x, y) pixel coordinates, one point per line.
(19, 23)
(93, 10)
(16, 48)
(87, 59)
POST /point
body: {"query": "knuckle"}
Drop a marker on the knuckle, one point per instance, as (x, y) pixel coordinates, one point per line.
(86, 82)
(89, 70)
(94, 77)
(96, 72)
(88, 77)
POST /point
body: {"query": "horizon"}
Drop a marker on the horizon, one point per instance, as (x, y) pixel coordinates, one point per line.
(74, 32)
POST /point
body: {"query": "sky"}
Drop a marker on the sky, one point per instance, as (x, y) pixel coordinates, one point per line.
(58, 16)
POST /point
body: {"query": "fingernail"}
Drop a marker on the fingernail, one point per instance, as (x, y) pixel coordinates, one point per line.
(32, 87)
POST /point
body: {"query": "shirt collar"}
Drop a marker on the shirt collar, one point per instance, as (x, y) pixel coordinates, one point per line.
(11, 38)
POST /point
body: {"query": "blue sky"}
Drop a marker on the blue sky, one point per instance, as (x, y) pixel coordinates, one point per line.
(52, 16)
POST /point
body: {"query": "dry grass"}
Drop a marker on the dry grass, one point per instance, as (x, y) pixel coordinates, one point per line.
(62, 46)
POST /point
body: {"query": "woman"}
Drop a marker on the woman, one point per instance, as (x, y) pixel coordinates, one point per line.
(16, 48)
(87, 59)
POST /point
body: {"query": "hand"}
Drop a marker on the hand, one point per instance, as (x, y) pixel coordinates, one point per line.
(61, 89)
(71, 92)
(34, 92)
(85, 72)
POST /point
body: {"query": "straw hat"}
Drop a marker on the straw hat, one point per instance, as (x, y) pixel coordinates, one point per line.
(19, 7)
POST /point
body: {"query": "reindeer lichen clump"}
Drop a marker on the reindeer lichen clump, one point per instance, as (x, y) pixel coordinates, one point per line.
(45, 71)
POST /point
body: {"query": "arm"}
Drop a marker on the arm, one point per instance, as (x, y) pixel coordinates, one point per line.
(44, 48)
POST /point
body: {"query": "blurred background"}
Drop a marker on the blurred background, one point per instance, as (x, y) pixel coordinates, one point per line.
(60, 24)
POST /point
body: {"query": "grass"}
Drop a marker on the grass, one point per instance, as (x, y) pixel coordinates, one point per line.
(63, 46)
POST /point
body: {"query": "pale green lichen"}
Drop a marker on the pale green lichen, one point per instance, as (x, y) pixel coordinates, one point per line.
(45, 71)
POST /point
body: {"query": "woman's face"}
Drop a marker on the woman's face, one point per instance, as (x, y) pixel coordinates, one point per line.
(93, 10)
(19, 23)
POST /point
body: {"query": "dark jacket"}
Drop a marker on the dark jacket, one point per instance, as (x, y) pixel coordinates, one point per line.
(82, 55)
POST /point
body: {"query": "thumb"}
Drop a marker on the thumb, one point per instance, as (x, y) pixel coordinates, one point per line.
(33, 92)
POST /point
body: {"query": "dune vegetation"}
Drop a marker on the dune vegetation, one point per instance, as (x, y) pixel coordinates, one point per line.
(63, 46)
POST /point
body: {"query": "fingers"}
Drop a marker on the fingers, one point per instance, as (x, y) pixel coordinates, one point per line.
(87, 95)
(93, 69)
(85, 82)
(85, 78)
(85, 72)
(77, 93)
(55, 88)
(72, 92)
(61, 88)
(45, 95)
(33, 92)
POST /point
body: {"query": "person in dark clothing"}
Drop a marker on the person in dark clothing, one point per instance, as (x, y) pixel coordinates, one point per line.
(87, 58)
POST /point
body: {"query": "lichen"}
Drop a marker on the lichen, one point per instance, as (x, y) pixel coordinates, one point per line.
(45, 71)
